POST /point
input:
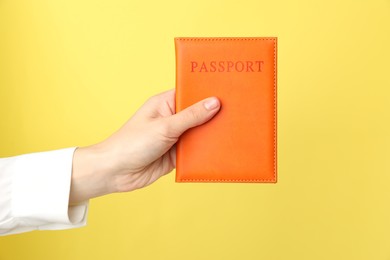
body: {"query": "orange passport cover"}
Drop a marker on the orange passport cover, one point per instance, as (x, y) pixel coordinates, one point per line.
(239, 143)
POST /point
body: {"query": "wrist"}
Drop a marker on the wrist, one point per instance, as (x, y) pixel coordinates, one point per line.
(90, 174)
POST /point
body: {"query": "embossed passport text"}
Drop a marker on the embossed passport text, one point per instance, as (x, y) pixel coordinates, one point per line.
(239, 144)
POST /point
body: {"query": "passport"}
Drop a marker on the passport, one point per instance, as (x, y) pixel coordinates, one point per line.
(240, 143)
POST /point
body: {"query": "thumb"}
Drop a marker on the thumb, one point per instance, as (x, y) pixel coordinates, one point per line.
(195, 115)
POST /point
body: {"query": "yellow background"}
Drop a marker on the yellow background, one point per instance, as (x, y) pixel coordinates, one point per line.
(72, 72)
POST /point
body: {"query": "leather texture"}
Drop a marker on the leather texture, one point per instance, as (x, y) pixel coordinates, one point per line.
(239, 144)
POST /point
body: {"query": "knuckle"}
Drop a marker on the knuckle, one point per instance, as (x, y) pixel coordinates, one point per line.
(163, 128)
(152, 99)
(194, 114)
(166, 131)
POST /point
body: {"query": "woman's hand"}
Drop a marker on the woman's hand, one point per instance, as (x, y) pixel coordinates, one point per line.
(140, 152)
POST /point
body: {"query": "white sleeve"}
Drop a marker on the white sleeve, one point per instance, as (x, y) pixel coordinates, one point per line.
(34, 193)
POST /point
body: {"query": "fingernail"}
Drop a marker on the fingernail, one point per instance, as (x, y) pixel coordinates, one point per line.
(211, 104)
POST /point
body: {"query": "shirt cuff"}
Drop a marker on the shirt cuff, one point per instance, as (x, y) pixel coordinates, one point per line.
(40, 192)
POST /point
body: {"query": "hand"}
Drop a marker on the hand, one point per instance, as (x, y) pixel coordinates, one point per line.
(140, 152)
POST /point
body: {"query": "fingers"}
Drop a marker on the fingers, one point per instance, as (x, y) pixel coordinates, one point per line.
(194, 115)
(172, 154)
